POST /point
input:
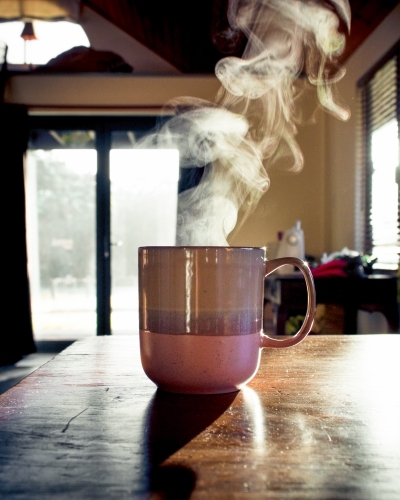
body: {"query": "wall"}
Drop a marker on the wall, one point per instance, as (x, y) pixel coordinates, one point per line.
(294, 196)
(98, 92)
(291, 197)
(341, 137)
(322, 196)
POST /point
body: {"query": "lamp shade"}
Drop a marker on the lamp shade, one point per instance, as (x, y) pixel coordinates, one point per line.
(27, 32)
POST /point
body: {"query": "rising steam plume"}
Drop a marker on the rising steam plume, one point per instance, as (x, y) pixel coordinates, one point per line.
(252, 123)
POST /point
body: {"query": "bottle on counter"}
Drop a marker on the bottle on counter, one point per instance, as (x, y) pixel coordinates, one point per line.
(291, 245)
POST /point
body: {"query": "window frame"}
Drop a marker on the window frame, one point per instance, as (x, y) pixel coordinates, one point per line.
(364, 229)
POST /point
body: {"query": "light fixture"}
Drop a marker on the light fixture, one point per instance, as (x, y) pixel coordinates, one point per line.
(28, 32)
(28, 35)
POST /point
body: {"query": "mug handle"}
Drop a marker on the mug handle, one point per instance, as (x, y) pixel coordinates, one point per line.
(271, 265)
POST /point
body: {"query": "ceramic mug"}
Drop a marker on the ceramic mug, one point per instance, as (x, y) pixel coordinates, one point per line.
(201, 315)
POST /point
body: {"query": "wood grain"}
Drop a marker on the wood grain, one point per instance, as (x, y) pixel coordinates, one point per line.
(319, 421)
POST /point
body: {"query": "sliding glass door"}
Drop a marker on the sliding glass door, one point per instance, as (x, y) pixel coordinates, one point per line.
(61, 205)
(143, 212)
(92, 200)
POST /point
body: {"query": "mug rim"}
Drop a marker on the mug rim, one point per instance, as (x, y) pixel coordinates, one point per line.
(195, 247)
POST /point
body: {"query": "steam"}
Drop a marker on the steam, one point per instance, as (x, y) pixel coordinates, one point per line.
(252, 124)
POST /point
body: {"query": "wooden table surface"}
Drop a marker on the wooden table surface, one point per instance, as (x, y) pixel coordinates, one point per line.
(319, 421)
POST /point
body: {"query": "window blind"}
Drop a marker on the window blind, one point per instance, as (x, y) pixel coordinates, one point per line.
(380, 119)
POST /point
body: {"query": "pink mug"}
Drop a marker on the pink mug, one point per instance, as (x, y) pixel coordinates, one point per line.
(201, 315)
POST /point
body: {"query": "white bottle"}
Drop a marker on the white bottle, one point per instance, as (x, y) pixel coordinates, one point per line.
(291, 245)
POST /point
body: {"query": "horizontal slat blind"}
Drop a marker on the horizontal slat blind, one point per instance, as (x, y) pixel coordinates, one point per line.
(383, 95)
(380, 155)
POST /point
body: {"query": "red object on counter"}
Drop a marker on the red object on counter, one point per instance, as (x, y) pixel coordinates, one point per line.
(333, 268)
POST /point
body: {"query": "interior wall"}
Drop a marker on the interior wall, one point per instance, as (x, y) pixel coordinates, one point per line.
(322, 196)
(291, 197)
(75, 92)
(341, 168)
(294, 196)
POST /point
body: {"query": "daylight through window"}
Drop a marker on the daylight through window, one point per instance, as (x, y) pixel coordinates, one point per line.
(380, 114)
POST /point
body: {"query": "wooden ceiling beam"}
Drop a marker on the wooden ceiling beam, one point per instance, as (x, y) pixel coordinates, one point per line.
(187, 34)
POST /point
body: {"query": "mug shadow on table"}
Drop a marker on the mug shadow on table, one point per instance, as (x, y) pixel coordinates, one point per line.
(172, 421)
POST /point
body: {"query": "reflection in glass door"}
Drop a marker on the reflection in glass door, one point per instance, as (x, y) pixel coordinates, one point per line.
(144, 187)
(60, 197)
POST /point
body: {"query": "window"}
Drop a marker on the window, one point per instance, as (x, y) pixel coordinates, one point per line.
(52, 38)
(380, 107)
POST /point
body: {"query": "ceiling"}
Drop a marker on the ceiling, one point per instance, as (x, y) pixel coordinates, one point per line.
(185, 33)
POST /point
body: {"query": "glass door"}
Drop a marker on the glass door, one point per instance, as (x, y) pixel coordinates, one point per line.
(144, 187)
(60, 197)
(92, 200)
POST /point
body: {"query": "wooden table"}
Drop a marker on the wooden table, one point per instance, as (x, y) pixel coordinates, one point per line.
(377, 292)
(319, 421)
